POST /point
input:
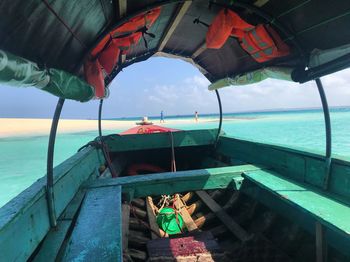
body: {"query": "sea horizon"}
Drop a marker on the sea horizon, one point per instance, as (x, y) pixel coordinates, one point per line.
(245, 112)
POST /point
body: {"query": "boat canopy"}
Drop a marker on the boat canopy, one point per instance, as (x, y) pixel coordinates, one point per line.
(230, 42)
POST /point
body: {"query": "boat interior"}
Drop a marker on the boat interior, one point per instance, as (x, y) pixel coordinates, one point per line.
(238, 200)
(227, 199)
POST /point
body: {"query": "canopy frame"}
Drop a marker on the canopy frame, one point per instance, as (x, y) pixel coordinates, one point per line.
(50, 156)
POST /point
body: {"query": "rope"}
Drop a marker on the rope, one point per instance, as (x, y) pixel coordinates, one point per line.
(173, 161)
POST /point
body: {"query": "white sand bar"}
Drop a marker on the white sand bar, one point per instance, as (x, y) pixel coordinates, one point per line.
(10, 127)
(28, 127)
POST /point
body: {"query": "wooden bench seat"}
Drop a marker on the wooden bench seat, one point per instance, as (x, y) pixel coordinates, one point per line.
(302, 204)
(97, 233)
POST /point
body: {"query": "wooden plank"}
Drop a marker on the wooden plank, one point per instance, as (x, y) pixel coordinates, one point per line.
(137, 254)
(199, 50)
(201, 246)
(194, 207)
(301, 205)
(123, 58)
(200, 221)
(320, 243)
(73, 206)
(26, 215)
(97, 235)
(181, 181)
(125, 225)
(152, 219)
(122, 4)
(180, 206)
(175, 22)
(53, 241)
(161, 140)
(235, 228)
(260, 3)
(187, 196)
(328, 211)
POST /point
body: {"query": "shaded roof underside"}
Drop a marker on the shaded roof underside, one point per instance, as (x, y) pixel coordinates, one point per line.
(37, 30)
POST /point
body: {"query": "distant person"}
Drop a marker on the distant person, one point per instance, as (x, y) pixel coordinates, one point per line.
(162, 117)
(196, 116)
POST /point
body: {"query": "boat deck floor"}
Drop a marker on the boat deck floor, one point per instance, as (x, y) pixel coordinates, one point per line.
(219, 225)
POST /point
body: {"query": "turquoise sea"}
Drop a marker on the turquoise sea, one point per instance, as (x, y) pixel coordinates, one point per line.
(23, 159)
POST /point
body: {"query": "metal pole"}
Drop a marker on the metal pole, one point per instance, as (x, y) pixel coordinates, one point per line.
(99, 119)
(327, 121)
(220, 121)
(104, 150)
(50, 155)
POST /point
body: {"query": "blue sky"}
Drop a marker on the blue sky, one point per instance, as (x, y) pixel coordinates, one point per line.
(177, 88)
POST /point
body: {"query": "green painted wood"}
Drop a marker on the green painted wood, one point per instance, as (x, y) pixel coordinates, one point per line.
(168, 183)
(54, 239)
(330, 212)
(97, 235)
(70, 212)
(122, 143)
(339, 182)
(26, 215)
(212, 162)
(298, 165)
(301, 205)
(52, 242)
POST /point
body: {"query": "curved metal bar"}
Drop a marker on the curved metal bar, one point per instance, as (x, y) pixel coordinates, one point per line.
(103, 146)
(50, 155)
(327, 121)
(220, 121)
(99, 119)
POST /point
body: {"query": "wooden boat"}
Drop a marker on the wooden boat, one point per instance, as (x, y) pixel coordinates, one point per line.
(214, 197)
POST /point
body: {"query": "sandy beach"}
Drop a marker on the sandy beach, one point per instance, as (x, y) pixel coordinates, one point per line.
(11, 127)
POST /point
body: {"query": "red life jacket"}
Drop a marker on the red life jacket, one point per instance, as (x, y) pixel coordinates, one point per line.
(261, 42)
(118, 41)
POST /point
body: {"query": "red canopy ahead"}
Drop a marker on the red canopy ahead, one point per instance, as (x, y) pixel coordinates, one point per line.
(148, 129)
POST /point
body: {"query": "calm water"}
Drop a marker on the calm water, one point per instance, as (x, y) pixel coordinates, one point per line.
(23, 160)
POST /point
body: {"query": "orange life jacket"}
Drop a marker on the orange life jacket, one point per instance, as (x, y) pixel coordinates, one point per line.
(261, 42)
(106, 54)
(128, 28)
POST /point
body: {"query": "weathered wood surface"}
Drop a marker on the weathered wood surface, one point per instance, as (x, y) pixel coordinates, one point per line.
(299, 165)
(125, 225)
(161, 140)
(97, 234)
(173, 24)
(324, 209)
(189, 223)
(152, 219)
(26, 215)
(301, 204)
(187, 196)
(196, 247)
(53, 242)
(54, 239)
(181, 181)
(200, 221)
(137, 254)
(235, 228)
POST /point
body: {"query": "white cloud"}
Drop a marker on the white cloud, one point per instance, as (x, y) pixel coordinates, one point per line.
(191, 94)
(177, 88)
